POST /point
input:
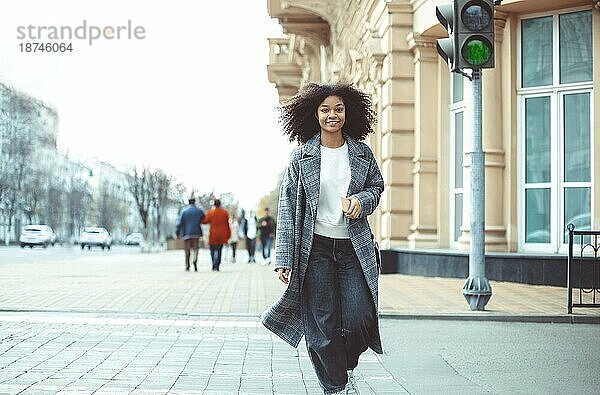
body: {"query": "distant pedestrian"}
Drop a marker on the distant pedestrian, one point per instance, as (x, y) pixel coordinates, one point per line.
(250, 229)
(188, 228)
(324, 248)
(267, 231)
(218, 233)
(234, 226)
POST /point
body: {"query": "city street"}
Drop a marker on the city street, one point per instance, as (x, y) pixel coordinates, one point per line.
(40, 255)
(120, 322)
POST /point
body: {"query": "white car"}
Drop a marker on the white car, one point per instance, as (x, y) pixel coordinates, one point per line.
(40, 235)
(95, 237)
(134, 239)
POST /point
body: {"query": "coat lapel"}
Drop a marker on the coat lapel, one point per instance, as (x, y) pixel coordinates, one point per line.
(359, 166)
(310, 171)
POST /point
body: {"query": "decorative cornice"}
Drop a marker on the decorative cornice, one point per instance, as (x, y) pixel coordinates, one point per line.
(400, 8)
(328, 10)
(422, 47)
(499, 24)
(315, 32)
(500, 18)
(418, 42)
(374, 46)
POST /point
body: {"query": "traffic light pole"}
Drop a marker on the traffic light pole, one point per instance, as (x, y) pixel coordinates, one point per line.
(477, 289)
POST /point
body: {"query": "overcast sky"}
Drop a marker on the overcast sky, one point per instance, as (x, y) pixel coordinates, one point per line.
(192, 97)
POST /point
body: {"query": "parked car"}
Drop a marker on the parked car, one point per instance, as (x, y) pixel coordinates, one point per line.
(95, 237)
(134, 239)
(40, 235)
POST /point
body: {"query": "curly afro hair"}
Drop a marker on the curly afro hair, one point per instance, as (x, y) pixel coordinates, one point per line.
(298, 113)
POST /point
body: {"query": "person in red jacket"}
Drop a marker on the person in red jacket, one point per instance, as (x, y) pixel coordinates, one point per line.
(219, 232)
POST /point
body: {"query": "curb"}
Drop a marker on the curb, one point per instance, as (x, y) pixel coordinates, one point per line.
(130, 313)
(466, 316)
(498, 317)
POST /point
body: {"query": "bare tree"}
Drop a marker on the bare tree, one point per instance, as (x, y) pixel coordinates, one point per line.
(178, 194)
(17, 151)
(79, 202)
(55, 195)
(26, 124)
(140, 186)
(4, 179)
(162, 185)
(229, 203)
(5, 97)
(206, 200)
(112, 211)
(33, 194)
(55, 206)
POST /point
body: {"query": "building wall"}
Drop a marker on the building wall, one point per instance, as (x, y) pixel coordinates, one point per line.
(387, 48)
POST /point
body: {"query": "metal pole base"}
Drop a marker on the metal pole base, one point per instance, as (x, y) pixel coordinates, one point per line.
(477, 292)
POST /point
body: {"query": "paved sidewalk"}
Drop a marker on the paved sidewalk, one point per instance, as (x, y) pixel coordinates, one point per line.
(126, 323)
(157, 283)
(86, 353)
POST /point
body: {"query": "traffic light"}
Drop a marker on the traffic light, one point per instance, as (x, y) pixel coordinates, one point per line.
(470, 26)
(445, 46)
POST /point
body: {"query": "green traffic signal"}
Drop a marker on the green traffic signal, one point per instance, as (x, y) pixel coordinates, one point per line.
(470, 27)
(477, 51)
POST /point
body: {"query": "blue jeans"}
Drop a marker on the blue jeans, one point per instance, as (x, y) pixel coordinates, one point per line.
(266, 246)
(338, 312)
(215, 255)
(251, 246)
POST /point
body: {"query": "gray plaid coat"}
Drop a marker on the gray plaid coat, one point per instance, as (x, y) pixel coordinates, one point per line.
(298, 200)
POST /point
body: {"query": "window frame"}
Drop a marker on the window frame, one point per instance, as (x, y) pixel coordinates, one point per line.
(454, 109)
(555, 51)
(557, 185)
(562, 184)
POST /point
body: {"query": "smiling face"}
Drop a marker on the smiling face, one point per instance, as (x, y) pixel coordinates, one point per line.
(332, 115)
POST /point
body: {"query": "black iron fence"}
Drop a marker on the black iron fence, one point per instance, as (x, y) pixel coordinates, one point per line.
(583, 268)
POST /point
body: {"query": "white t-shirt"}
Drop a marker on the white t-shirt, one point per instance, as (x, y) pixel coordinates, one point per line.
(252, 227)
(334, 183)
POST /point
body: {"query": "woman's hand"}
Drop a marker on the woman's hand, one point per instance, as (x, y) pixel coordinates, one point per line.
(284, 275)
(354, 209)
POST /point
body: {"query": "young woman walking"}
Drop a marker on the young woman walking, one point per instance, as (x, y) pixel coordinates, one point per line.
(324, 249)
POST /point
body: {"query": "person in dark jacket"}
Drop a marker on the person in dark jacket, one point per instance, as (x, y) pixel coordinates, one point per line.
(267, 231)
(248, 227)
(188, 228)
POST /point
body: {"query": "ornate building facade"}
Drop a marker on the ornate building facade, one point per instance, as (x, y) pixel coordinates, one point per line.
(540, 129)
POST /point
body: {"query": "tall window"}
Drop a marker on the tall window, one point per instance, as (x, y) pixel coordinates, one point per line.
(555, 96)
(457, 108)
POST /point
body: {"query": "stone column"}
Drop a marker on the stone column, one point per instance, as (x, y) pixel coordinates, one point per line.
(397, 126)
(424, 227)
(495, 227)
(373, 87)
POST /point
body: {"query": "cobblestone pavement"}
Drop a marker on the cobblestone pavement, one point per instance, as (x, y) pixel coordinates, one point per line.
(156, 283)
(120, 322)
(87, 353)
(144, 283)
